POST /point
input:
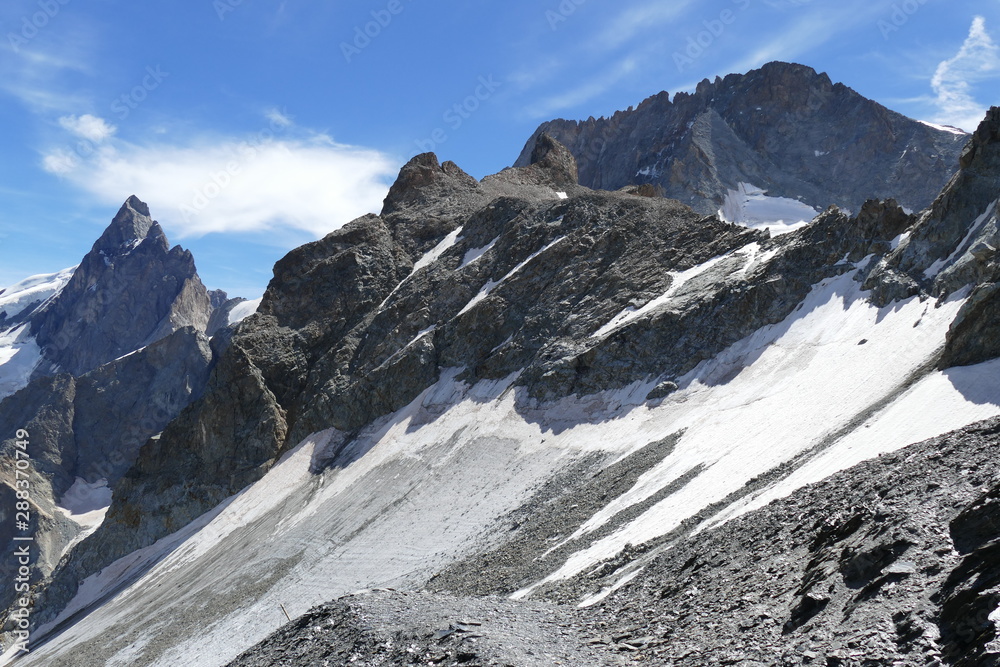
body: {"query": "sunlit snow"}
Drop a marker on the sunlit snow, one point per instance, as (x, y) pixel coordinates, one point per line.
(750, 206)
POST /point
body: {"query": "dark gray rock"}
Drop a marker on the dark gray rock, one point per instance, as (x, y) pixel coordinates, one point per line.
(348, 332)
(937, 255)
(783, 128)
(891, 562)
(91, 427)
(130, 290)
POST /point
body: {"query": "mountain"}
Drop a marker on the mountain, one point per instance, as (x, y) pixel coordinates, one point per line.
(130, 290)
(99, 359)
(780, 142)
(643, 429)
(552, 415)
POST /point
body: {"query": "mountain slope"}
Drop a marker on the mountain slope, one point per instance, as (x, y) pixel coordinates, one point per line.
(94, 361)
(782, 129)
(490, 388)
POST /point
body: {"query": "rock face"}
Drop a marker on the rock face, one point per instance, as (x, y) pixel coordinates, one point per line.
(953, 244)
(783, 128)
(499, 278)
(90, 428)
(125, 345)
(531, 292)
(130, 290)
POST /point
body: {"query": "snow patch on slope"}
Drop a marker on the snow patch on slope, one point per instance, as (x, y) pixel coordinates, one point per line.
(630, 314)
(475, 253)
(750, 206)
(431, 256)
(434, 254)
(243, 310)
(491, 284)
(19, 356)
(32, 291)
(781, 392)
(945, 128)
(86, 504)
(939, 403)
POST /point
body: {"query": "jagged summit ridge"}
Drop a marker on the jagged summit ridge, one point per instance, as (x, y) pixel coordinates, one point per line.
(783, 128)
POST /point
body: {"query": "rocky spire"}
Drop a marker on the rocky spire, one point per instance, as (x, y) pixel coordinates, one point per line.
(132, 223)
(130, 290)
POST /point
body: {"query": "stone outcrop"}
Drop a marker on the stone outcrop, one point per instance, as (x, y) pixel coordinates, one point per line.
(90, 428)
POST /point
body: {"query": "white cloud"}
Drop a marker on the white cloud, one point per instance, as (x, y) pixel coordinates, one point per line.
(953, 82)
(261, 184)
(88, 127)
(60, 162)
(280, 119)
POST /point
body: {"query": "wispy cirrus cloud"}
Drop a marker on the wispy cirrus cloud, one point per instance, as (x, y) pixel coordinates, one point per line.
(593, 88)
(43, 75)
(954, 80)
(625, 27)
(626, 36)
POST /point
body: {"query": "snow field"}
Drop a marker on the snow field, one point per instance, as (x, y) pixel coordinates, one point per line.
(750, 206)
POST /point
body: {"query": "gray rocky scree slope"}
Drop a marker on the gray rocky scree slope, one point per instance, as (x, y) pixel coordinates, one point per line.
(783, 128)
(895, 561)
(125, 348)
(348, 331)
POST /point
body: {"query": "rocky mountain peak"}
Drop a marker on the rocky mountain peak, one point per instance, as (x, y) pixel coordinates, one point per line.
(785, 129)
(130, 290)
(132, 223)
(425, 179)
(982, 151)
(555, 159)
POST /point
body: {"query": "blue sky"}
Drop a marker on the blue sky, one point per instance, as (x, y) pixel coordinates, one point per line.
(252, 126)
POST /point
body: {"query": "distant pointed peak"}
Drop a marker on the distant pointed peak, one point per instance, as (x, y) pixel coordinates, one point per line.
(138, 205)
(131, 223)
